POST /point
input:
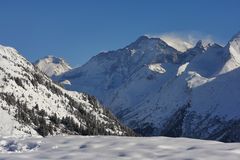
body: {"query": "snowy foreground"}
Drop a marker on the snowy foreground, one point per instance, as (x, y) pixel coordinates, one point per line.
(103, 147)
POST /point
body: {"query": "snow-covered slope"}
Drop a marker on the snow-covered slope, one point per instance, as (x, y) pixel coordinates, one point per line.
(31, 104)
(52, 66)
(157, 90)
(111, 147)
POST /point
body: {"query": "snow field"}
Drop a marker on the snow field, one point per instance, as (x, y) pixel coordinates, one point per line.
(111, 147)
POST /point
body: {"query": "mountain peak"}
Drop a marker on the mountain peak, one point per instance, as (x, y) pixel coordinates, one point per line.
(199, 44)
(143, 37)
(205, 45)
(52, 66)
(147, 42)
(53, 59)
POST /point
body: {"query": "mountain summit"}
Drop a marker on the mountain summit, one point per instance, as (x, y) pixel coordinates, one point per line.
(52, 66)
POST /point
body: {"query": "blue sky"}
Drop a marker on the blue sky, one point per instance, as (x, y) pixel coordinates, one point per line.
(77, 30)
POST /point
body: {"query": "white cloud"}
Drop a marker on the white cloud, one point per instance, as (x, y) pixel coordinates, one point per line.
(183, 41)
(177, 42)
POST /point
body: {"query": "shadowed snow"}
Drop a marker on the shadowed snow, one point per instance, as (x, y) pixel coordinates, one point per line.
(108, 148)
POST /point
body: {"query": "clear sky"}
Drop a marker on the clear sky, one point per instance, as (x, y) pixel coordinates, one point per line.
(79, 29)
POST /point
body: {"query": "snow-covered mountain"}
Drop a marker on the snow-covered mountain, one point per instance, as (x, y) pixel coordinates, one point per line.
(157, 90)
(107, 71)
(52, 66)
(31, 104)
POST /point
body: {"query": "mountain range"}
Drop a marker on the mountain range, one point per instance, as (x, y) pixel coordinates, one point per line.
(156, 89)
(150, 86)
